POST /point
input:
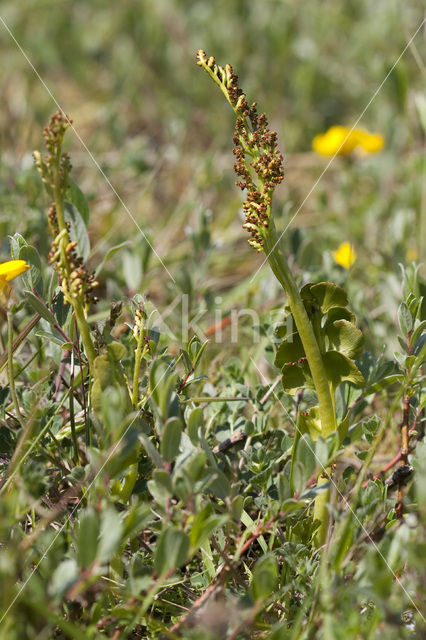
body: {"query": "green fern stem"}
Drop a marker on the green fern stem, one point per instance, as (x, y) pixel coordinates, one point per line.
(76, 302)
(326, 404)
(282, 272)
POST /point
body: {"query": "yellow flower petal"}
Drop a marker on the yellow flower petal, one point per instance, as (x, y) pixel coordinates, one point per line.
(12, 269)
(345, 255)
(342, 140)
(334, 142)
(371, 142)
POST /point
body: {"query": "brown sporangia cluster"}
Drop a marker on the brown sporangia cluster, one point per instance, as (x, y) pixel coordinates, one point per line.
(259, 163)
(56, 166)
(74, 278)
(53, 222)
(79, 281)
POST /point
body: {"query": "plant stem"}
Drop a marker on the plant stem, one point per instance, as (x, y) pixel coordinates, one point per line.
(260, 177)
(321, 513)
(84, 328)
(326, 405)
(139, 355)
(72, 414)
(313, 354)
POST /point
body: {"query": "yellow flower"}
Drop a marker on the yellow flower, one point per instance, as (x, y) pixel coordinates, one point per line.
(345, 255)
(370, 142)
(343, 140)
(8, 271)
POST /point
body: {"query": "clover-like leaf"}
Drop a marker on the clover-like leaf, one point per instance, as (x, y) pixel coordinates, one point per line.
(291, 350)
(329, 295)
(346, 338)
(339, 313)
(296, 376)
(324, 295)
(281, 330)
(340, 368)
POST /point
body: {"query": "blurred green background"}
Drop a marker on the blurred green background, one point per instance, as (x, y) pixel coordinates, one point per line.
(162, 134)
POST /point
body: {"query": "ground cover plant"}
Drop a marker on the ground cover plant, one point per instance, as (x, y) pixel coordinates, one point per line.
(219, 440)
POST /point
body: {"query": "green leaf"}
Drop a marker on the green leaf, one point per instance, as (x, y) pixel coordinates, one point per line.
(418, 331)
(87, 538)
(205, 524)
(111, 534)
(405, 319)
(296, 376)
(194, 422)
(396, 378)
(291, 350)
(152, 452)
(159, 492)
(76, 197)
(419, 463)
(63, 578)
(325, 295)
(162, 382)
(132, 269)
(16, 243)
(265, 578)
(283, 487)
(346, 338)
(137, 518)
(163, 479)
(51, 337)
(298, 477)
(281, 331)
(370, 427)
(339, 313)
(171, 550)
(170, 439)
(186, 359)
(116, 351)
(39, 307)
(339, 368)
(237, 506)
(305, 454)
(200, 352)
(31, 278)
(219, 484)
(109, 254)
(78, 231)
(251, 525)
(343, 427)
